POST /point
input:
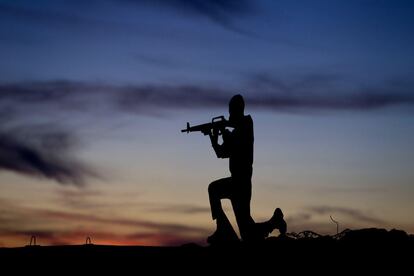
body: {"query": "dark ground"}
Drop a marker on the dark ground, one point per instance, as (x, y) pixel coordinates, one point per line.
(369, 250)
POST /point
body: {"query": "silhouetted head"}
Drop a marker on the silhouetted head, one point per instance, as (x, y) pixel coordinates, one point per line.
(278, 213)
(236, 108)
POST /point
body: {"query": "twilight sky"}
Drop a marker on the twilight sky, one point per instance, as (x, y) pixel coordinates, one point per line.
(93, 95)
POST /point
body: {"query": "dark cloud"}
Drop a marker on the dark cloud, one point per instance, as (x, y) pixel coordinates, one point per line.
(74, 18)
(41, 154)
(222, 12)
(45, 17)
(79, 15)
(58, 94)
(356, 101)
(321, 92)
(277, 96)
(144, 99)
(30, 146)
(306, 93)
(47, 153)
(354, 214)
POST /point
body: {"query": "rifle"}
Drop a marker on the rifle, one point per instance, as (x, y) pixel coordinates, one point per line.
(217, 123)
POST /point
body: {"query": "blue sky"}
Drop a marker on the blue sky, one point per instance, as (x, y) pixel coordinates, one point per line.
(98, 91)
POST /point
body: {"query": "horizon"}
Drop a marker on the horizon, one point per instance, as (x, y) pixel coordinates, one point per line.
(93, 97)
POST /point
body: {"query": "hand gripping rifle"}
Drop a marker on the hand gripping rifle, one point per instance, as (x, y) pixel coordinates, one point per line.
(217, 124)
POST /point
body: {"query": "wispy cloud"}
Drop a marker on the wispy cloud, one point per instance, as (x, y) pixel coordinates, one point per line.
(187, 209)
(83, 199)
(78, 217)
(354, 214)
(45, 154)
(35, 147)
(221, 12)
(77, 15)
(327, 92)
(84, 18)
(20, 101)
(140, 99)
(97, 200)
(50, 18)
(306, 93)
(316, 218)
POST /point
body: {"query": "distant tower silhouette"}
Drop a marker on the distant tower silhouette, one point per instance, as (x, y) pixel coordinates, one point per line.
(32, 241)
(88, 241)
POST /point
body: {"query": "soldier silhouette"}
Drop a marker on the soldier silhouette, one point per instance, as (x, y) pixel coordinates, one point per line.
(238, 147)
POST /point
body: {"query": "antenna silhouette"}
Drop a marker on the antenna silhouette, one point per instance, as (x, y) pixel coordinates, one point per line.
(337, 224)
